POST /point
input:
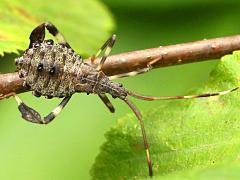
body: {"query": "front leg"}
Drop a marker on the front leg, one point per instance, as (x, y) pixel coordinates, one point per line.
(33, 116)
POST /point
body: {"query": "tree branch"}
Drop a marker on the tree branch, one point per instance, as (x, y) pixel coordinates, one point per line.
(131, 61)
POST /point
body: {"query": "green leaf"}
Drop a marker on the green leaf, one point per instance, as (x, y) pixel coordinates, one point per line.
(223, 171)
(183, 134)
(85, 24)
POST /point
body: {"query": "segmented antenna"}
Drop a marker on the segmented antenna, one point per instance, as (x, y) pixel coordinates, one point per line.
(139, 117)
(151, 98)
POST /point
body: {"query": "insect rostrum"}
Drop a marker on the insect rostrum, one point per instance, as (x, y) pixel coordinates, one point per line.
(55, 70)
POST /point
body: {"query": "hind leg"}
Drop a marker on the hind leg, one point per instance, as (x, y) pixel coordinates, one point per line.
(38, 34)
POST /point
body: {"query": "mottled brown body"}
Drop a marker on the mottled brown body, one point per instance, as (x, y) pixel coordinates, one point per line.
(54, 70)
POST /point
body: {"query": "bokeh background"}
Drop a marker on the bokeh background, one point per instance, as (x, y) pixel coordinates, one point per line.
(67, 147)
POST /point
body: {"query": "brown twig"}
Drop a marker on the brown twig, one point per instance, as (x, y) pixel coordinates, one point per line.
(131, 61)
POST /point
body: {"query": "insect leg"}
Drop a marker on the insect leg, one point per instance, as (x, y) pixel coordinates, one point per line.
(151, 98)
(107, 46)
(139, 117)
(134, 73)
(38, 34)
(33, 116)
(54, 31)
(107, 102)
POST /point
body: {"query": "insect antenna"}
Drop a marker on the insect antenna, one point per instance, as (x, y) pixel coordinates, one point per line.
(151, 98)
(139, 117)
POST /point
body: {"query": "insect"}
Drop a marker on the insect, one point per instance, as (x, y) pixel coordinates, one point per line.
(55, 70)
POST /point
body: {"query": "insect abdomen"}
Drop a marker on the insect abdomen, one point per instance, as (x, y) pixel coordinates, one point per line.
(50, 70)
(56, 71)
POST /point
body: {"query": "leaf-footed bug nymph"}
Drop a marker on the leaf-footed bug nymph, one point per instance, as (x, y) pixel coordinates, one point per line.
(55, 70)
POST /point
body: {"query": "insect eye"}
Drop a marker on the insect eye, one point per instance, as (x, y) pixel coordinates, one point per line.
(40, 67)
(52, 70)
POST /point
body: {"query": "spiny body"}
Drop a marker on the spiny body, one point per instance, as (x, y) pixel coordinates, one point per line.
(54, 70)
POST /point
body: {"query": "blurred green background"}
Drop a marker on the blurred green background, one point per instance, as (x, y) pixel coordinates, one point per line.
(66, 148)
